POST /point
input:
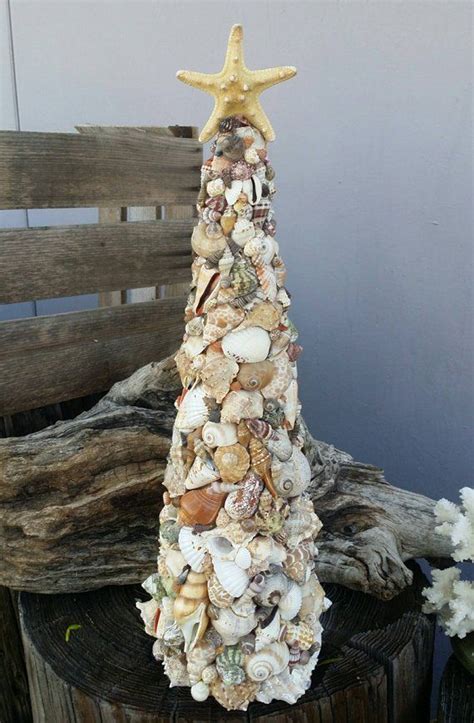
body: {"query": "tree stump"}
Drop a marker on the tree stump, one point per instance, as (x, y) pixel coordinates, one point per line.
(456, 694)
(375, 665)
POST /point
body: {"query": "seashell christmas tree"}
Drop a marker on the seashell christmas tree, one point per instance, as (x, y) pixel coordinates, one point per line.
(235, 602)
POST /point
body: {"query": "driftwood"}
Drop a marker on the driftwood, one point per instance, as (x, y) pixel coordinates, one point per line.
(79, 501)
(375, 664)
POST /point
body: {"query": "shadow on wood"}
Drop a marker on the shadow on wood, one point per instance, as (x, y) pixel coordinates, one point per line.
(375, 665)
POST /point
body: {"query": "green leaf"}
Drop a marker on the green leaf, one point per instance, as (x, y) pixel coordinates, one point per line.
(69, 631)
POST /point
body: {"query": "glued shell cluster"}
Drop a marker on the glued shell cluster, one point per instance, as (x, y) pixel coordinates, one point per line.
(235, 602)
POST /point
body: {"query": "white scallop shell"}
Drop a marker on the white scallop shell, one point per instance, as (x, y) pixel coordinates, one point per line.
(202, 473)
(241, 405)
(192, 548)
(247, 345)
(232, 578)
(175, 561)
(193, 411)
(267, 662)
(290, 604)
(219, 434)
(242, 558)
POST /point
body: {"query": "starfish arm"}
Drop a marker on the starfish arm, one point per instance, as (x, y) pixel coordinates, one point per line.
(271, 76)
(235, 52)
(201, 81)
(212, 125)
(259, 119)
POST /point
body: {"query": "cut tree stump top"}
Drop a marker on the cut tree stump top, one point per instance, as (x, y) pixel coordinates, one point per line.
(375, 665)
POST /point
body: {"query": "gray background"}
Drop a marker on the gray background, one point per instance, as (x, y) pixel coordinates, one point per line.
(373, 158)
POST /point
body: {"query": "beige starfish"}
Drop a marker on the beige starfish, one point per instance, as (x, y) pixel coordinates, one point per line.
(236, 89)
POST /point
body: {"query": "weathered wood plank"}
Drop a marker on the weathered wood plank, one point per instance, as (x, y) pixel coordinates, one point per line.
(67, 260)
(61, 170)
(14, 695)
(112, 215)
(60, 357)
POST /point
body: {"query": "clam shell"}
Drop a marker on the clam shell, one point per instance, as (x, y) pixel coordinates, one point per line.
(219, 434)
(240, 405)
(217, 375)
(243, 503)
(192, 548)
(247, 345)
(232, 462)
(255, 376)
(233, 579)
(267, 662)
(220, 320)
(193, 346)
(281, 378)
(202, 473)
(193, 411)
(209, 248)
(200, 506)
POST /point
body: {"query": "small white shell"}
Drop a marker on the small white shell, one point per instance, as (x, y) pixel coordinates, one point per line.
(192, 548)
(232, 627)
(232, 193)
(243, 231)
(219, 434)
(202, 473)
(290, 603)
(193, 411)
(242, 558)
(175, 561)
(215, 187)
(200, 691)
(268, 661)
(247, 345)
(232, 578)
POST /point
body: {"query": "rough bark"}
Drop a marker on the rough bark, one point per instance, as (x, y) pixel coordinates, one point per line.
(79, 501)
(375, 664)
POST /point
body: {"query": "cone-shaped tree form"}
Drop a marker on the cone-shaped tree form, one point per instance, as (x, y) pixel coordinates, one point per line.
(235, 603)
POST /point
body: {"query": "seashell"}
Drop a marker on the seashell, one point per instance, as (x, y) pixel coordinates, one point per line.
(200, 691)
(175, 562)
(253, 189)
(267, 280)
(281, 378)
(232, 627)
(261, 211)
(202, 473)
(241, 171)
(268, 631)
(280, 445)
(219, 434)
(216, 203)
(207, 288)
(231, 146)
(242, 558)
(301, 523)
(243, 503)
(273, 412)
(291, 404)
(243, 231)
(175, 669)
(202, 655)
(185, 368)
(284, 298)
(261, 429)
(193, 411)
(290, 603)
(210, 248)
(169, 531)
(247, 345)
(173, 636)
(232, 461)
(260, 462)
(217, 375)
(299, 635)
(244, 210)
(233, 579)
(217, 594)
(287, 687)
(220, 320)
(261, 249)
(200, 506)
(264, 552)
(276, 585)
(228, 664)
(209, 674)
(195, 326)
(215, 187)
(313, 597)
(226, 262)
(255, 376)
(214, 231)
(192, 548)
(193, 346)
(251, 156)
(243, 278)
(280, 271)
(293, 351)
(228, 220)
(267, 662)
(240, 405)
(234, 697)
(269, 227)
(174, 480)
(220, 547)
(296, 564)
(232, 193)
(189, 609)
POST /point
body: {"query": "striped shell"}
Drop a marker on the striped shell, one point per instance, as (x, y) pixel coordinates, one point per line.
(267, 662)
(217, 594)
(267, 280)
(243, 278)
(243, 503)
(199, 658)
(261, 429)
(243, 231)
(299, 635)
(200, 506)
(193, 411)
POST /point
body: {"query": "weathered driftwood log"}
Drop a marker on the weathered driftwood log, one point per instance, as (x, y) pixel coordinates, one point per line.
(79, 501)
(375, 664)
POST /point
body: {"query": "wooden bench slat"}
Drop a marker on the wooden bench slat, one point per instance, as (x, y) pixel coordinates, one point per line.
(42, 263)
(132, 167)
(51, 359)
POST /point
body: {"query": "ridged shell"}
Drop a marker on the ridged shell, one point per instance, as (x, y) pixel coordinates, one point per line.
(228, 664)
(232, 627)
(232, 462)
(290, 603)
(192, 548)
(253, 377)
(176, 670)
(200, 506)
(299, 635)
(283, 687)
(243, 278)
(243, 434)
(261, 249)
(240, 405)
(267, 662)
(208, 248)
(219, 434)
(189, 609)
(220, 320)
(268, 632)
(202, 473)
(261, 429)
(302, 522)
(226, 261)
(199, 658)
(281, 378)
(217, 594)
(233, 579)
(234, 697)
(193, 411)
(296, 564)
(243, 503)
(264, 314)
(248, 345)
(217, 375)
(253, 189)
(267, 280)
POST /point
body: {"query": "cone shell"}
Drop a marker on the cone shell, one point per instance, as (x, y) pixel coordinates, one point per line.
(200, 506)
(240, 405)
(232, 462)
(253, 377)
(248, 345)
(220, 320)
